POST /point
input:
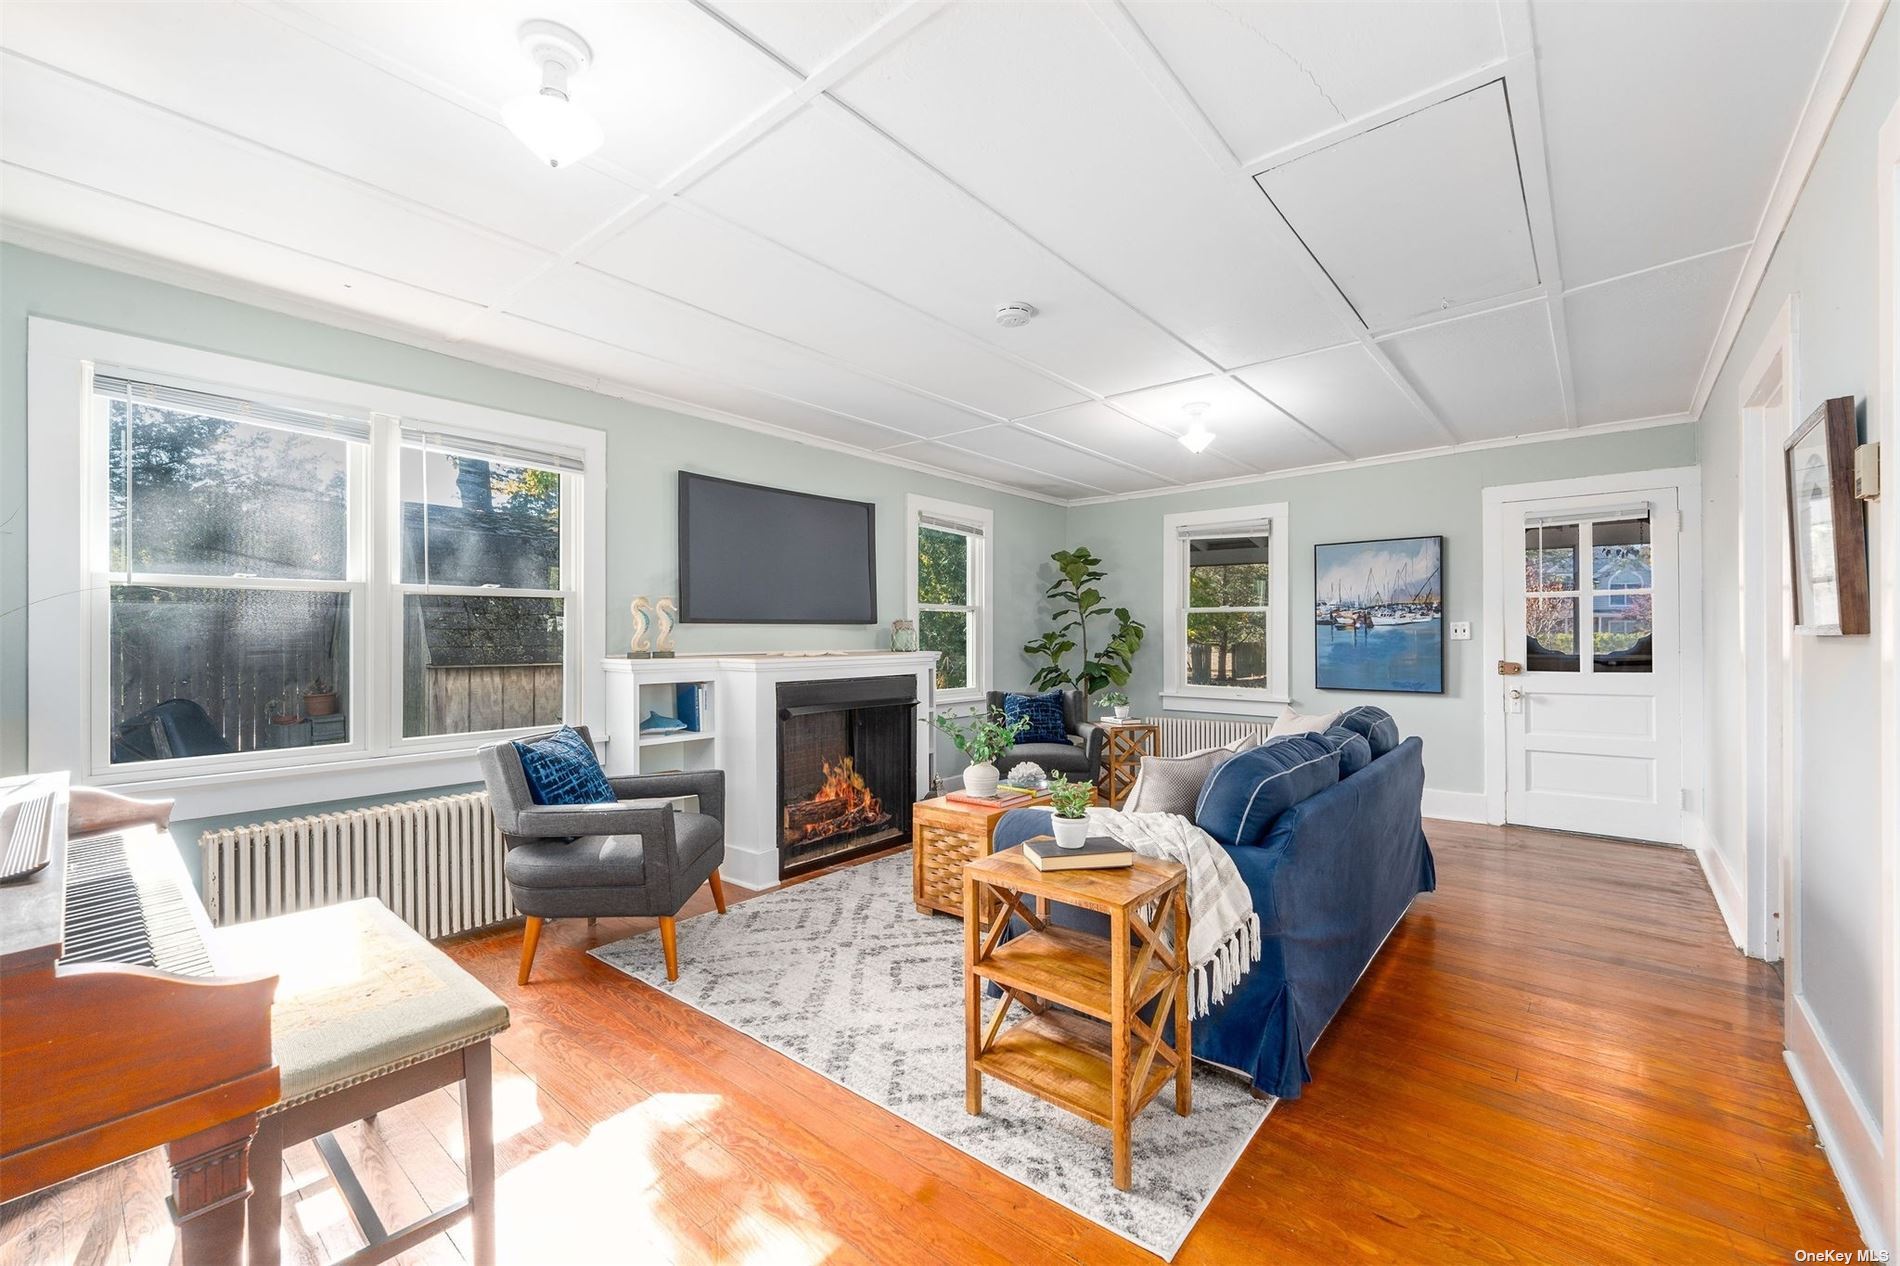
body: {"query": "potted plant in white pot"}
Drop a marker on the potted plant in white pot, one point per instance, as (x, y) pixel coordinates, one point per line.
(1116, 700)
(1070, 820)
(982, 738)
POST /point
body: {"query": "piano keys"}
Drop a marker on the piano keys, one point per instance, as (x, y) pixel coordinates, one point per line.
(118, 1030)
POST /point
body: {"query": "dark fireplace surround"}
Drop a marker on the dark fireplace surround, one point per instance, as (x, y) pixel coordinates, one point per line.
(847, 768)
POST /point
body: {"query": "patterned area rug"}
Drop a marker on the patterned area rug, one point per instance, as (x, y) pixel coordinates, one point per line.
(843, 975)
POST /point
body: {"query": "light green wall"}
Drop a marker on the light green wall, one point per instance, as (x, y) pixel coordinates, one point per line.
(1825, 262)
(1439, 496)
(646, 447)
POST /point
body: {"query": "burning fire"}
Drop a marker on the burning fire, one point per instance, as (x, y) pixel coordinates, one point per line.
(843, 803)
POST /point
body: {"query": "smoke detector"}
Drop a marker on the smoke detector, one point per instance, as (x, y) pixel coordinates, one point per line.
(1011, 315)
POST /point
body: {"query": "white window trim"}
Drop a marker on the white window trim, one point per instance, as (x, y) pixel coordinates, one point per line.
(1176, 694)
(982, 588)
(66, 597)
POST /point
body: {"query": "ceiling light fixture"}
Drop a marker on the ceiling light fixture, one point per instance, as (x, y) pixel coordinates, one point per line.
(554, 129)
(1197, 437)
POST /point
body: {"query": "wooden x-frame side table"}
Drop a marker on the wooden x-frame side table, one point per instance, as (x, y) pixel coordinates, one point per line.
(1107, 1063)
(1127, 743)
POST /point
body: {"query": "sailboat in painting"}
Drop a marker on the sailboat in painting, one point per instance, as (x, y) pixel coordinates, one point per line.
(1378, 624)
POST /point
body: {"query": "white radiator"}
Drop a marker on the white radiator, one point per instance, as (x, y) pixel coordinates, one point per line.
(436, 863)
(1181, 735)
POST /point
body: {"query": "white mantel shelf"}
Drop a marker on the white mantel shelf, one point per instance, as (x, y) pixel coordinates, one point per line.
(741, 735)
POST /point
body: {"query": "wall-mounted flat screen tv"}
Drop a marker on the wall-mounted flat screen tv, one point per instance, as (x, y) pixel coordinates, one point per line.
(756, 555)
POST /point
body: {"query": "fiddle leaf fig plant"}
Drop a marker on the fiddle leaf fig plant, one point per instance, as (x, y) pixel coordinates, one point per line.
(1078, 604)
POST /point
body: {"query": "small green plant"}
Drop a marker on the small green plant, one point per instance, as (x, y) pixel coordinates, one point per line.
(1112, 699)
(318, 687)
(981, 737)
(1071, 799)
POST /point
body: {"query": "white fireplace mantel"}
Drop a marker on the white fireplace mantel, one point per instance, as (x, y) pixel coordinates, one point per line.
(740, 733)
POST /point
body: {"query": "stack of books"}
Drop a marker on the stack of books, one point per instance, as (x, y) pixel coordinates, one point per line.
(1005, 798)
(1098, 852)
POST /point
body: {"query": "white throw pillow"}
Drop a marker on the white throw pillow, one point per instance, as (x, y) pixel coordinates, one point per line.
(1291, 722)
(1172, 784)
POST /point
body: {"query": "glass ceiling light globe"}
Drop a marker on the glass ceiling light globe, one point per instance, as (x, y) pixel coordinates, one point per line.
(554, 129)
(1196, 438)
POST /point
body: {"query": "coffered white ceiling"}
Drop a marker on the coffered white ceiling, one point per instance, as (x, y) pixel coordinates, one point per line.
(1350, 230)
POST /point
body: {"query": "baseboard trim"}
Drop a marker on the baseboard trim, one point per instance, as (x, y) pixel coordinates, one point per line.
(1454, 806)
(1846, 1130)
(1727, 892)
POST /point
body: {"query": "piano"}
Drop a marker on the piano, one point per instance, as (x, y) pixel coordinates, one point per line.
(120, 1029)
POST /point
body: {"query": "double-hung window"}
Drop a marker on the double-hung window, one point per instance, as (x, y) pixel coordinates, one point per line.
(1226, 633)
(949, 586)
(234, 573)
(246, 577)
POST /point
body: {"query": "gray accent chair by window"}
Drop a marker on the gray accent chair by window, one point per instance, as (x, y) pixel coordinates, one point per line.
(569, 861)
(1079, 758)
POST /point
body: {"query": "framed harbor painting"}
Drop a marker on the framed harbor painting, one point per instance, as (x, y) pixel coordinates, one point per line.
(1378, 615)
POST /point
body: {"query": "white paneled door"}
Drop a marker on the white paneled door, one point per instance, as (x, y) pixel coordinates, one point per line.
(1591, 678)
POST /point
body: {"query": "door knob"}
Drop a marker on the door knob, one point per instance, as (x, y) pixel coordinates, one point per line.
(1517, 694)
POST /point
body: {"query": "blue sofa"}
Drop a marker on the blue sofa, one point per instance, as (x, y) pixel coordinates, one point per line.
(1337, 872)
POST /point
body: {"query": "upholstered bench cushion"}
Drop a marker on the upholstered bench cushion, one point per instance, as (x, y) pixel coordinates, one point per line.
(359, 993)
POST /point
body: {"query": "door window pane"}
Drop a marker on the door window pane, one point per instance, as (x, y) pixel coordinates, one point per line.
(1620, 554)
(1228, 572)
(471, 664)
(1550, 558)
(1622, 630)
(471, 521)
(204, 672)
(1227, 650)
(198, 495)
(943, 567)
(947, 632)
(1550, 635)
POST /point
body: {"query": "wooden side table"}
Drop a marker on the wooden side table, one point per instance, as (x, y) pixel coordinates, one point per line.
(944, 834)
(1105, 1064)
(1127, 743)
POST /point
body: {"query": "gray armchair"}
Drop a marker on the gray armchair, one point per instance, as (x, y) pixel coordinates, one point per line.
(607, 860)
(1081, 758)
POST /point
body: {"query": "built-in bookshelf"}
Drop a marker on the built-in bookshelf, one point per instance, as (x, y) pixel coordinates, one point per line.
(672, 691)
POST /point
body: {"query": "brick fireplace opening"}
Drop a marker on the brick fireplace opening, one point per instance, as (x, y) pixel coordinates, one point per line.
(846, 768)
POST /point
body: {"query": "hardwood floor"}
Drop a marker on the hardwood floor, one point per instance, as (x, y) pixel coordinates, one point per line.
(1557, 1058)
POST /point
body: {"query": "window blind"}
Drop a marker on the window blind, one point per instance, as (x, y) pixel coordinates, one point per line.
(550, 457)
(949, 525)
(1203, 531)
(336, 425)
(1559, 518)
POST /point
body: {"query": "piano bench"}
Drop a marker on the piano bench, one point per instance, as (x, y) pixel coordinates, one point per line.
(368, 1015)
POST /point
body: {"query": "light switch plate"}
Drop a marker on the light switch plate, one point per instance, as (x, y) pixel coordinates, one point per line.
(1461, 631)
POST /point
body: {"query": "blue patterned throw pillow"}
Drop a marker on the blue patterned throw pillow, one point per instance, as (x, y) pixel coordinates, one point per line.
(561, 769)
(1381, 731)
(1242, 798)
(1045, 717)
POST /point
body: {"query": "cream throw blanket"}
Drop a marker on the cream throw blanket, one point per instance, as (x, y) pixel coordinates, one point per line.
(1223, 930)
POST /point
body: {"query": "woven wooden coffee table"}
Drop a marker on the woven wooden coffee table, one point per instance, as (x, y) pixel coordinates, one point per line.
(1105, 1064)
(944, 834)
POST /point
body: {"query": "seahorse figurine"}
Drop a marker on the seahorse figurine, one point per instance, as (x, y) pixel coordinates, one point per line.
(641, 647)
(666, 617)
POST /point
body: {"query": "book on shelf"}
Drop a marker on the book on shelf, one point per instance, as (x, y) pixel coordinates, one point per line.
(998, 801)
(1098, 852)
